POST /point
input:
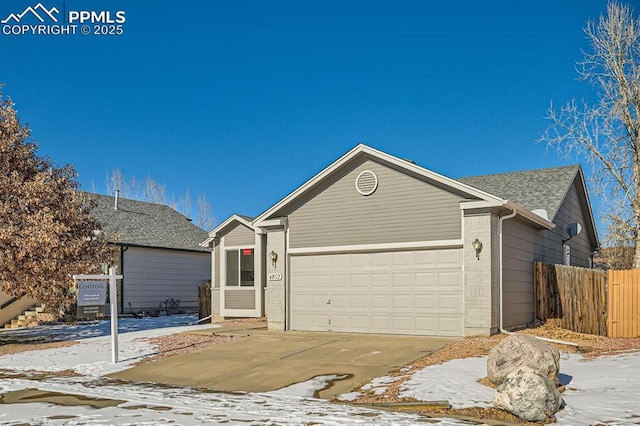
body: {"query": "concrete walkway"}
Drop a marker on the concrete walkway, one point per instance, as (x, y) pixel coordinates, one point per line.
(262, 360)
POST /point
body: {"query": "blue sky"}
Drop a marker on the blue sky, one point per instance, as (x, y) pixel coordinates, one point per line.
(246, 100)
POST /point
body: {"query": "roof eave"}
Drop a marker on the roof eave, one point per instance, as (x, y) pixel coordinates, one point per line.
(521, 211)
(361, 148)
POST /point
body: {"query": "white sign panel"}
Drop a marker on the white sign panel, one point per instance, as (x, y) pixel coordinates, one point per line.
(275, 276)
(92, 293)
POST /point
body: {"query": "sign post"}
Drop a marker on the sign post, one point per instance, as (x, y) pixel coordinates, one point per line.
(113, 299)
(91, 296)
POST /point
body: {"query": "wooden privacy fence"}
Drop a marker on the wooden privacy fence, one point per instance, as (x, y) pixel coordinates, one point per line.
(571, 297)
(624, 303)
(204, 300)
(588, 300)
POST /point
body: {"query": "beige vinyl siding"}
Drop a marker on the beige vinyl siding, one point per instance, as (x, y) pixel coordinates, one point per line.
(239, 236)
(152, 275)
(522, 245)
(216, 269)
(569, 212)
(240, 299)
(402, 209)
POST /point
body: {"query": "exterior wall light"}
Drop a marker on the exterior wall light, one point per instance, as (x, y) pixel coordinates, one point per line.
(274, 257)
(477, 246)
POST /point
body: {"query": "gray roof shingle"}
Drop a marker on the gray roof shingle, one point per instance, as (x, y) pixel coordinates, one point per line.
(146, 224)
(532, 189)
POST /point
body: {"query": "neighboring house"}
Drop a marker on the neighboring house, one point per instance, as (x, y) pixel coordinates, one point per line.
(377, 244)
(157, 252)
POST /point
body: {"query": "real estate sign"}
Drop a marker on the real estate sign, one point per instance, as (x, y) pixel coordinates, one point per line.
(92, 297)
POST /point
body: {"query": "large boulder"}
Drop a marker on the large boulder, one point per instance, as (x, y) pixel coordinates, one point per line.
(518, 350)
(529, 395)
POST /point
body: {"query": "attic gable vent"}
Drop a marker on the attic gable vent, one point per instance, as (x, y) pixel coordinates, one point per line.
(366, 182)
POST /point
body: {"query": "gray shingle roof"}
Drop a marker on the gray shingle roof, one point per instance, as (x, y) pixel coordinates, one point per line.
(146, 224)
(532, 189)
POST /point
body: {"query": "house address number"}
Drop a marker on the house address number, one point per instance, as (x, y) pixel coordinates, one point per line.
(275, 276)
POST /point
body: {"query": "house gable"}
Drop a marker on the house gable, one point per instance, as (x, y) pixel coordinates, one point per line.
(239, 235)
(402, 208)
(573, 209)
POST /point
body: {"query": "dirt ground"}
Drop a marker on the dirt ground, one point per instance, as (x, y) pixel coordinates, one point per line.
(590, 346)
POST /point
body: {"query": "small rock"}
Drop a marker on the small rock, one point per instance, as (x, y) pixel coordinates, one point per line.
(529, 395)
(518, 350)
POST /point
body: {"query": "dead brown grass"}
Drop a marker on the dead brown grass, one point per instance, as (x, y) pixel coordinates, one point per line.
(13, 348)
(181, 343)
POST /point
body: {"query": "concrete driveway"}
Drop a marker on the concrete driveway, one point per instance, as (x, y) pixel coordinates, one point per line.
(262, 360)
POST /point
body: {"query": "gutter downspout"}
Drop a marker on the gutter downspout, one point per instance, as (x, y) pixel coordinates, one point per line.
(500, 305)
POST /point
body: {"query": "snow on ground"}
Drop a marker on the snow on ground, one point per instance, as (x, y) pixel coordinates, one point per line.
(156, 404)
(92, 356)
(605, 390)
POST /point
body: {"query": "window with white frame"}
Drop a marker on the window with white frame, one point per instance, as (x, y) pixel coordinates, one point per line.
(240, 267)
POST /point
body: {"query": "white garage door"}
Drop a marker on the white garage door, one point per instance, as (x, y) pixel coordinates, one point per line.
(403, 292)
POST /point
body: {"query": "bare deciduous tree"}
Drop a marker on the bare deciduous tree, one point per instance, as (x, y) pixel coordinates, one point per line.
(608, 132)
(47, 232)
(154, 192)
(206, 219)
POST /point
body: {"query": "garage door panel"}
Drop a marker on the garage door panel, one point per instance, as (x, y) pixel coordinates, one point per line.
(426, 258)
(304, 280)
(360, 301)
(402, 258)
(449, 302)
(425, 301)
(426, 279)
(428, 324)
(358, 260)
(403, 292)
(380, 322)
(320, 262)
(321, 280)
(380, 301)
(340, 262)
(360, 321)
(402, 280)
(449, 280)
(449, 326)
(360, 280)
(318, 300)
(320, 321)
(380, 259)
(340, 280)
(340, 301)
(402, 301)
(381, 280)
(449, 258)
(403, 324)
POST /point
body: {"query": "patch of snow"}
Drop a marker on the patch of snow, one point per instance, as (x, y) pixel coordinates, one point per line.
(379, 385)
(307, 389)
(455, 381)
(350, 396)
(606, 389)
(92, 355)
